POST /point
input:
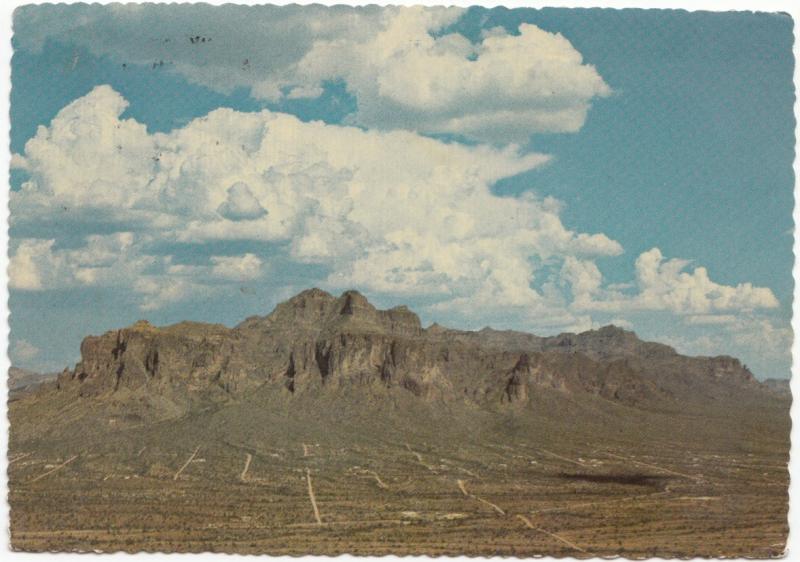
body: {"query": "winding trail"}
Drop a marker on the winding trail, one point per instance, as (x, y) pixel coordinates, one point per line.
(248, 459)
(19, 458)
(419, 458)
(555, 536)
(54, 469)
(416, 454)
(187, 463)
(380, 482)
(463, 489)
(313, 499)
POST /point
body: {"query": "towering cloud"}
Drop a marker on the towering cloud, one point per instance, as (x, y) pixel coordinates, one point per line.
(391, 212)
(503, 89)
(400, 63)
(388, 212)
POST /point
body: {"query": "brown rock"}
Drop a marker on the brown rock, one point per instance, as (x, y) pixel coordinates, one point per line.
(317, 343)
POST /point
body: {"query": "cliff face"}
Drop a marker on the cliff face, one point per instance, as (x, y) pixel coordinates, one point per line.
(143, 355)
(316, 342)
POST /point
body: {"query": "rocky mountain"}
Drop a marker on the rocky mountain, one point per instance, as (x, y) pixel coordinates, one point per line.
(316, 343)
(780, 387)
(21, 379)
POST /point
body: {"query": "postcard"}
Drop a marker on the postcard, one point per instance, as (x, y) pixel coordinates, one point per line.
(400, 280)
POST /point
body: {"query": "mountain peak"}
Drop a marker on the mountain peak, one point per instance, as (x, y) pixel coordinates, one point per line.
(143, 325)
(311, 295)
(315, 310)
(315, 338)
(612, 329)
(354, 303)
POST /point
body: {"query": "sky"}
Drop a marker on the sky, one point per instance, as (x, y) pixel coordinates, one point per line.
(543, 170)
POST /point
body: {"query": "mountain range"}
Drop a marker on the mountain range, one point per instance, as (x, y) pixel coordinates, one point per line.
(316, 344)
(186, 430)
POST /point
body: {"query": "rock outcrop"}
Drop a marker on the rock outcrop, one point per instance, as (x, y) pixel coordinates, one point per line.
(318, 343)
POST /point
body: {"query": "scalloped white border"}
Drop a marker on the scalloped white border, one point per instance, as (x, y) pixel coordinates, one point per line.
(6, 9)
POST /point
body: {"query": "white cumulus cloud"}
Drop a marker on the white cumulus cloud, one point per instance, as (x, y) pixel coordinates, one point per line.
(389, 212)
(400, 64)
(104, 260)
(22, 351)
(501, 90)
(241, 204)
(664, 285)
(236, 268)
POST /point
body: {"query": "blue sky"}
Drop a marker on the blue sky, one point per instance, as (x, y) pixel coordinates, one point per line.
(590, 166)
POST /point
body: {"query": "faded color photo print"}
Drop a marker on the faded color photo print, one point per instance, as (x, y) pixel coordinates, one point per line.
(400, 280)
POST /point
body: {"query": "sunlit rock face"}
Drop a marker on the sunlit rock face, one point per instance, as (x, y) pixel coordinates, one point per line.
(318, 343)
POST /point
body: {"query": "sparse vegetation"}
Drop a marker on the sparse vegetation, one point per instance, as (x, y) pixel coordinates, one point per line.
(372, 468)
